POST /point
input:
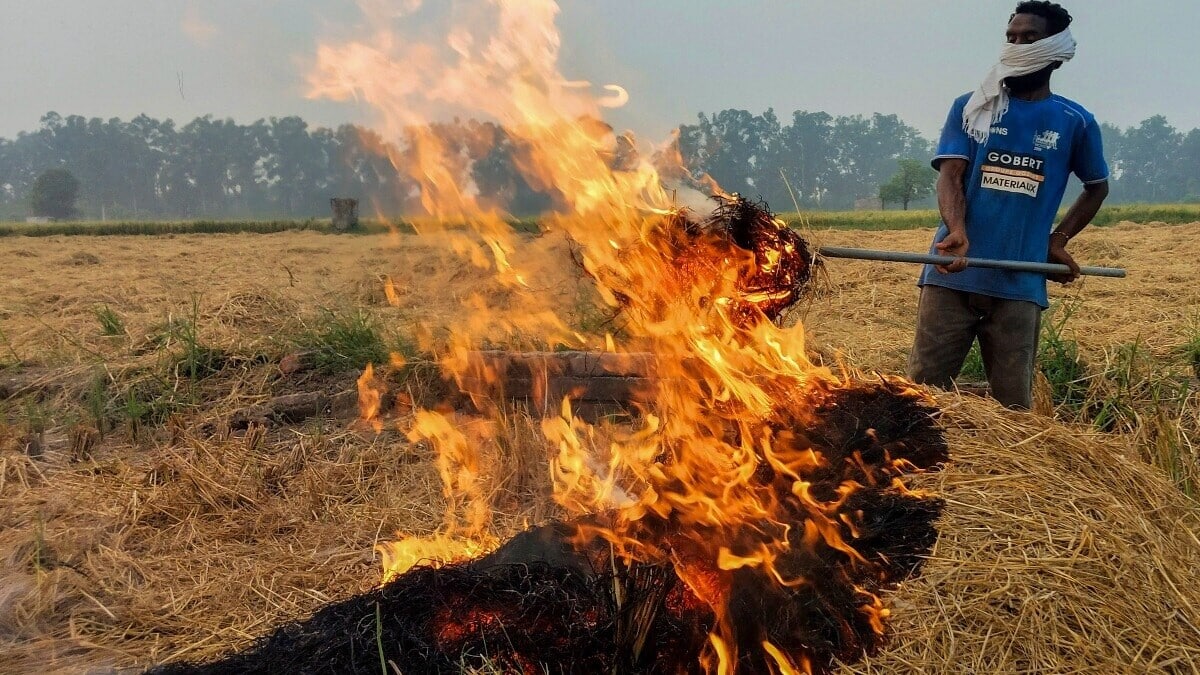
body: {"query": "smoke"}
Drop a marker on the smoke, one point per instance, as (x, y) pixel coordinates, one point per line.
(199, 30)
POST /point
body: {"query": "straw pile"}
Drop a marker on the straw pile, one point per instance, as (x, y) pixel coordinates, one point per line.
(1057, 552)
(537, 600)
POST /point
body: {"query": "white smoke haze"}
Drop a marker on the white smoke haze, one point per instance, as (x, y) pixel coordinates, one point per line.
(385, 10)
(196, 27)
(492, 60)
(677, 58)
(478, 52)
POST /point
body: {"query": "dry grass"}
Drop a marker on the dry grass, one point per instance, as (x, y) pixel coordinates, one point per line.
(253, 285)
(1060, 551)
(196, 546)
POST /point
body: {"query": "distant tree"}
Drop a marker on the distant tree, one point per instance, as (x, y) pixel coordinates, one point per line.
(54, 194)
(216, 168)
(500, 182)
(739, 150)
(865, 154)
(913, 181)
(1187, 167)
(1148, 159)
(809, 149)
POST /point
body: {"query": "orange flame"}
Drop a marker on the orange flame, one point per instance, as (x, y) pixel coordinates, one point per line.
(716, 372)
(369, 396)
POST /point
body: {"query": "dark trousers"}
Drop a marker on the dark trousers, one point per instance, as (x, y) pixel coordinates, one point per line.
(948, 321)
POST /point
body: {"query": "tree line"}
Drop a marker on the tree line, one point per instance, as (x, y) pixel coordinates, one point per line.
(210, 168)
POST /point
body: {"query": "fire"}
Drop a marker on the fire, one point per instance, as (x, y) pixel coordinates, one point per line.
(716, 479)
(403, 554)
(369, 397)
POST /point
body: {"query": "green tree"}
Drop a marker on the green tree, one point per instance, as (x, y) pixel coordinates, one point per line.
(739, 150)
(54, 194)
(1147, 160)
(809, 149)
(913, 181)
(1187, 166)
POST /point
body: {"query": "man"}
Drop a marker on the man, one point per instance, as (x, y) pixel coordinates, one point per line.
(1003, 161)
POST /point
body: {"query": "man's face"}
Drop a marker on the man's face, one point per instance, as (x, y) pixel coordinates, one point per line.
(1025, 29)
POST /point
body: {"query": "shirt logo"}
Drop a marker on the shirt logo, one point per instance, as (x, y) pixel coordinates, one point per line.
(1012, 172)
(1000, 131)
(1047, 140)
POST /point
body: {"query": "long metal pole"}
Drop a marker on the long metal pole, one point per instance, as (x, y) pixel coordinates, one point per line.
(926, 259)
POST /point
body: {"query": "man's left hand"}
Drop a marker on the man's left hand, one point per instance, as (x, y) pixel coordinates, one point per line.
(1058, 254)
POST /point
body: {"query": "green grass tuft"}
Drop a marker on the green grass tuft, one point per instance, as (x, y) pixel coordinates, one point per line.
(341, 342)
(37, 416)
(1060, 362)
(1189, 351)
(110, 322)
(96, 402)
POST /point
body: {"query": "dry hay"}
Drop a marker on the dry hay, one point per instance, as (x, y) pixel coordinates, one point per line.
(45, 310)
(1057, 552)
(142, 555)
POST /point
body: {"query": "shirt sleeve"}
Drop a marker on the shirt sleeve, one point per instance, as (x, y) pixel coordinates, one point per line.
(1087, 156)
(955, 142)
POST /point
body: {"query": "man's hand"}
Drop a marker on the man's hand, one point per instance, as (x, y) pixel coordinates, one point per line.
(1058, 254)
(952, 204)
(954, 244)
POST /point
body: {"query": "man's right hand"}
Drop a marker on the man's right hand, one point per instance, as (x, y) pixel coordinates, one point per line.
(954, 244)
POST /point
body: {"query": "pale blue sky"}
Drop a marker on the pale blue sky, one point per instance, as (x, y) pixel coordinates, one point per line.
(245, 58)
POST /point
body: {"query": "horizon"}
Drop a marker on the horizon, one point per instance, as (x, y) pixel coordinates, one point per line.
(184, 59)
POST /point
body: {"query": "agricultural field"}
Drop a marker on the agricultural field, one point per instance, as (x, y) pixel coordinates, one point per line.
(182, 466)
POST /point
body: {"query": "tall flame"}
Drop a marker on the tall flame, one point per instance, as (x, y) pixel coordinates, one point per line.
(696, 459)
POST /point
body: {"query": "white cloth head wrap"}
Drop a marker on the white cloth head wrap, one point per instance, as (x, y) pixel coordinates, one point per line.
(990, 101)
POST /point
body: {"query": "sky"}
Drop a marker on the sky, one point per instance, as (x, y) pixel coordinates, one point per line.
(247, 59)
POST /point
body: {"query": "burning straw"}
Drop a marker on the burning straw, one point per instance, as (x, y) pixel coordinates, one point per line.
(1058, 551)
(756, 532)
(773, 264)
(539, 602)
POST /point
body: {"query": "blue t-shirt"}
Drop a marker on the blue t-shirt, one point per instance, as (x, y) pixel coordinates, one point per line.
(1014, 186)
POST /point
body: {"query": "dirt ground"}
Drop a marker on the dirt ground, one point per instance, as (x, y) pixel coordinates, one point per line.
(132, 552)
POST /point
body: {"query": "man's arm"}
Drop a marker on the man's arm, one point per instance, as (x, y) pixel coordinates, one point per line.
(1078, 217)
(952, 202)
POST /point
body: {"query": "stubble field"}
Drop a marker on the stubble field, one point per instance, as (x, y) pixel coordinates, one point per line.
(150, 512)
